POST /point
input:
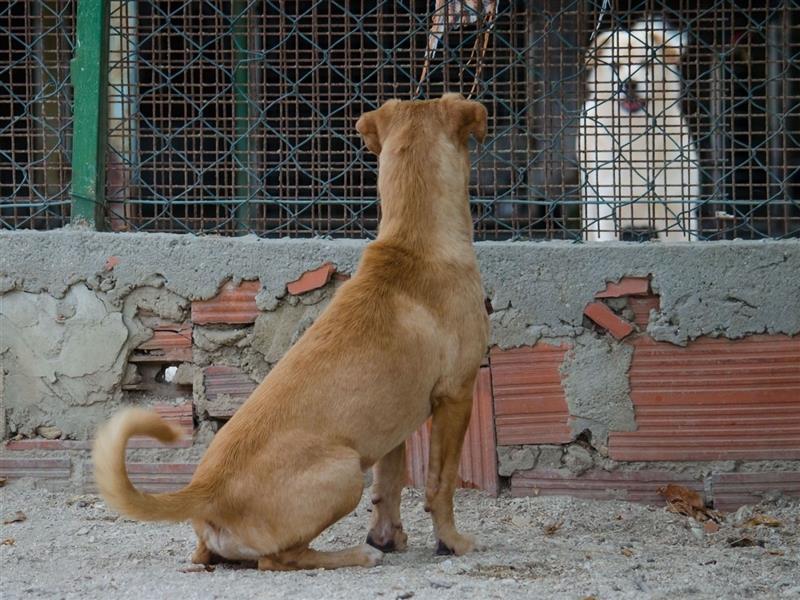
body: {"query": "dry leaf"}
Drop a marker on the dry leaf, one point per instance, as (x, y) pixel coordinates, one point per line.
(553, 527)
(627, 552)
(17, 517)
(198, 569)
(683, 496)
(3, 481)
(683, 501)
(759, 519)
(8, 542)
(744, 542)
(710, 527)
(776, 552)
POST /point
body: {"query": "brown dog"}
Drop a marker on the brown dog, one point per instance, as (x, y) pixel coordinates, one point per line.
(402, 340)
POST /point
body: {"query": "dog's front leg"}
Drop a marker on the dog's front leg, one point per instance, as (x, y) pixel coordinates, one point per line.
(450, 421)
(389, 477)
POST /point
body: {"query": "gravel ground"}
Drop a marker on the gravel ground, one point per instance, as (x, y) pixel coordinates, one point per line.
(72, 547)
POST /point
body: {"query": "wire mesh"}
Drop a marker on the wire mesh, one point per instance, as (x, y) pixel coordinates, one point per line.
(623, 119)
(36, 43)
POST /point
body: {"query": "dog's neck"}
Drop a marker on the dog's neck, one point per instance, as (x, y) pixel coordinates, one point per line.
(425, 201)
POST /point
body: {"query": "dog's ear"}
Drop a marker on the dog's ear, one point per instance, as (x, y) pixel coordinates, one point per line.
(598, 44)
(670, 43)
(469, 117)
(374, 126)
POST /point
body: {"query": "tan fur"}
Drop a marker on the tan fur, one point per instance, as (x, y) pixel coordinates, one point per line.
(403, 339)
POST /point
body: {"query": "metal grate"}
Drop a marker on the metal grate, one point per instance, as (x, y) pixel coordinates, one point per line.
(36, 43)
(237, 116)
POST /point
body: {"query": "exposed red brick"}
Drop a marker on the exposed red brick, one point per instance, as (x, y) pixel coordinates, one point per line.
(233, 305)
(150, 477)
(641, 308)
(478, 466)
(634, 486)
(417, 446)
(627, 286)
(529, 402)
(311, 280)
(38, 444)
(111, 262)
(171, 342)
(39, 468)
(180, 415)
(608, 319)
(732, 490)
(716, 399)
(226, 390)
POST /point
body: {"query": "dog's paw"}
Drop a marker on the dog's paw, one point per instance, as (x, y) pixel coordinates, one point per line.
(371, 556)
(397, 540)
(456, 544)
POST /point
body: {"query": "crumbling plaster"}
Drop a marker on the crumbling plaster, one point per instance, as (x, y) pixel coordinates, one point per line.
(68, 322)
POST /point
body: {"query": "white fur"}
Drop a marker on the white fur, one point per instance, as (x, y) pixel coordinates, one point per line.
(638, 169)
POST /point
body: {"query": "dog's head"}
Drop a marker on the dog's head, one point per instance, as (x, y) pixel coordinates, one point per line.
(449, 119)
(636, 67)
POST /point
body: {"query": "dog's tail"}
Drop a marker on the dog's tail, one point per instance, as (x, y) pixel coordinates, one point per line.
(112, 477)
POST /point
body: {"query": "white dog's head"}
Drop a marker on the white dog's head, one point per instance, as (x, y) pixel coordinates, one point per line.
(636, 71)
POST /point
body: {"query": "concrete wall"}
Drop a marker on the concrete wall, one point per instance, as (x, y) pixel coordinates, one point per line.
(89, 321)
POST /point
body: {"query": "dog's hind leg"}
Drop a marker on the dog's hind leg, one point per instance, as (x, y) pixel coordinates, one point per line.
(386, 531)
(203, 556)
(450, 421)
(308, 558)
(316, 484)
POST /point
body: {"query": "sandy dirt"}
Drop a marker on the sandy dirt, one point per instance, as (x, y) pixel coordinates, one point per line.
(71, 546)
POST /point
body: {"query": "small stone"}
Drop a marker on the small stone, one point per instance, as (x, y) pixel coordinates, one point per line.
(578, 459)
(48, 432)
(742, 515)
(450, 567)
(405, 595)
(511, 459)
(549, 457)
(697, 531)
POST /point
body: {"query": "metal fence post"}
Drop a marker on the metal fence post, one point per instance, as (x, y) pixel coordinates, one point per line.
(89, 70)
(241, 144)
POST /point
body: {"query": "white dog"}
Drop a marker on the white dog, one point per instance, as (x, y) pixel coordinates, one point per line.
(639, 168)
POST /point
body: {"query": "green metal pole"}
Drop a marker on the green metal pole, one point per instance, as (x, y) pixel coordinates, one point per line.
(241, 147)
(89, 69)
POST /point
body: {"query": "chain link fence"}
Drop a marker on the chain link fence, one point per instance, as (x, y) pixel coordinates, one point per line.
(608, 119)
(37, 39)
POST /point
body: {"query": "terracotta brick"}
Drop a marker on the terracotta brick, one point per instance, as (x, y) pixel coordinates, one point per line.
(226, 390)
(111, 262)
(732, 490)
(478, 465)
(149, 477)
(715, 399)
(627, 286)
(608, 319)
(634, 486)
(311, 280)
(529, 402)
(233, 305)
(171, 342)
(39, 468)
(641, 307)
